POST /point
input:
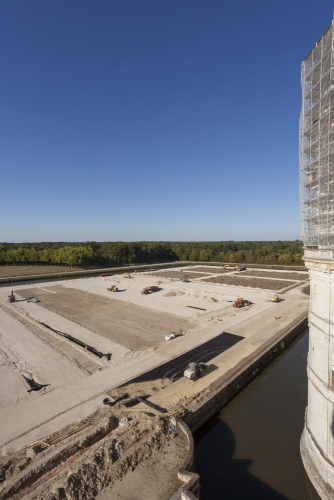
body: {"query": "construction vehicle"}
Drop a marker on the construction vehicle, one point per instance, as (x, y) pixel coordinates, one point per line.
(276, 298)
(185, 280)
(170, 336)
(127, 275)
(234, 268)
(11, 297)
(240, 268)
(149, 289)
(195, 370)
(240, 303)
(113, 288)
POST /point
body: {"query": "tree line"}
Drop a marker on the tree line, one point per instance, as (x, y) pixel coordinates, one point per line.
(105, 254)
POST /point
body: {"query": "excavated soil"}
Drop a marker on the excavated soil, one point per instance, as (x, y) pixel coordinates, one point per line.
(240, 280)
(154, 478)
(133, 326)
(14, 463)
(127, 461)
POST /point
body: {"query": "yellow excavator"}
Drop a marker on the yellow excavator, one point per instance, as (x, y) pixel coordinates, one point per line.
(11, 297)
(236, 268)
(150, 289)
(127, 275)
(113, 288)
(276, 298)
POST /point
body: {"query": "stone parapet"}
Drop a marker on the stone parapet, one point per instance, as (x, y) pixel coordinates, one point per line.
(326, 256)
(190, 489)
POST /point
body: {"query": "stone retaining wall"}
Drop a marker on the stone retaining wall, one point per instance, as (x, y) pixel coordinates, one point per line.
(222, 390)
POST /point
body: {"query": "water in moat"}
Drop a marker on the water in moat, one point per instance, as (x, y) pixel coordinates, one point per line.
(250, 449)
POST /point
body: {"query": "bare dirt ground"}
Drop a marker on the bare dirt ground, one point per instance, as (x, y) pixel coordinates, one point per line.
(131, 458)
(91, 459)
(162, 466)
(133, 326)
(212, 270)
(239, 280)
(277, 274)
(139, 389)
(9, 271)
(65, 348)
(170, 456)
(181, 274)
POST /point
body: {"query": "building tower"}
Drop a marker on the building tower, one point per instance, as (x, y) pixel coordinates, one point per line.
(317, 222)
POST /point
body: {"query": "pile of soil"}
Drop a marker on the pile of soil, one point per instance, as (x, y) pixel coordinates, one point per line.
(209, 299)
(174, 293)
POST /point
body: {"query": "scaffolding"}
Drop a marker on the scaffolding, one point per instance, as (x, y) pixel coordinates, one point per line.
(316, 148)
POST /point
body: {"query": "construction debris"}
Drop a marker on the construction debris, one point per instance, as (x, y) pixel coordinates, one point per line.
(199, 308)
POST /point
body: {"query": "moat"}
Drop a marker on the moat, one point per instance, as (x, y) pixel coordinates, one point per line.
(250, 449)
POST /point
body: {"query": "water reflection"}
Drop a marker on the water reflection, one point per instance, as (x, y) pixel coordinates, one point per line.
(250, 449)
(227, 477)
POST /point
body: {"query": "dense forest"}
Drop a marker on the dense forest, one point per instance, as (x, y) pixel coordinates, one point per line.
(92, 254)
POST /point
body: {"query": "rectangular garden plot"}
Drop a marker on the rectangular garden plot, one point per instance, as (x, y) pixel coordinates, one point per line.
(132, 326)
(179, 274)
(289, 275)
(241, 280)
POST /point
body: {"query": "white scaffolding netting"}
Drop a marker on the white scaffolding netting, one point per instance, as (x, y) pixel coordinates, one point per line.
(317, 145)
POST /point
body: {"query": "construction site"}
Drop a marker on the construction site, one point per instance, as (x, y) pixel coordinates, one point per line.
(101, 374)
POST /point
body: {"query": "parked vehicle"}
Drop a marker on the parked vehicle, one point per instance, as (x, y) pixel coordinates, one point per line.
(170, 336)
(195, 370)
(149, 289)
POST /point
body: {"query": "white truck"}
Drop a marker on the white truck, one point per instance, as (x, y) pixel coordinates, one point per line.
(195, 370)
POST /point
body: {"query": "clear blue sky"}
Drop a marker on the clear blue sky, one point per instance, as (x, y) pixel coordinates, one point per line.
(152, 119)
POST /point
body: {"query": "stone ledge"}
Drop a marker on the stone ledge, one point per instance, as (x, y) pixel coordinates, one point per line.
(190, 489)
